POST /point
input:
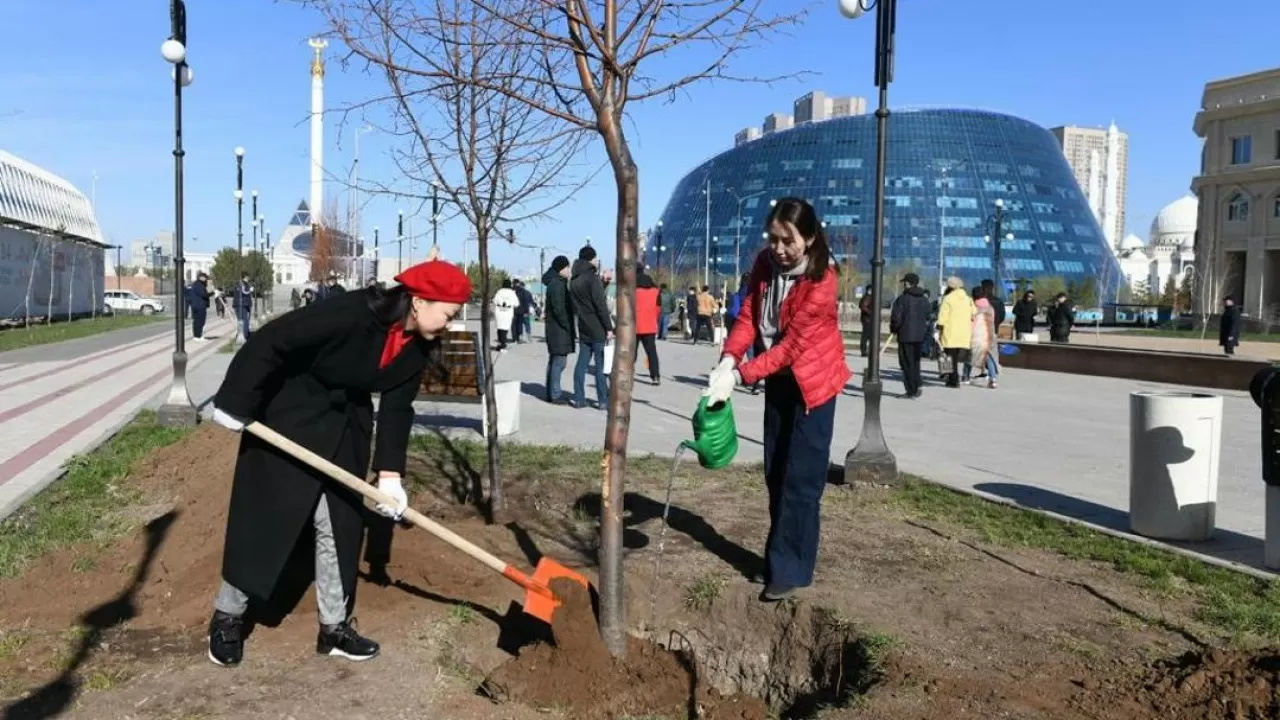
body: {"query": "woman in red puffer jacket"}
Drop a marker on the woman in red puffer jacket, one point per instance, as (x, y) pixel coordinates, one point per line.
(790, 318)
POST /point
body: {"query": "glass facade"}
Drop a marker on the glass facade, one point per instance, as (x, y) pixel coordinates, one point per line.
(946, 169)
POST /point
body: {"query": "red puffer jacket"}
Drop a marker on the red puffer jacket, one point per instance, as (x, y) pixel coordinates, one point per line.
(647, 311)
(809, 326)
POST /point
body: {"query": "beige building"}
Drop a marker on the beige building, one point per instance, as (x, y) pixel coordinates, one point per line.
(775, 122)
(1238, 233)
(1099, 158)
(816, 107)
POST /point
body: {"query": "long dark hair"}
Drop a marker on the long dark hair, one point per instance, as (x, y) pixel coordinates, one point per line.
(389, 305)
(801, 214)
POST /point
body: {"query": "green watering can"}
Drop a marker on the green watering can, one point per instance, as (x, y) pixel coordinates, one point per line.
(715, 434)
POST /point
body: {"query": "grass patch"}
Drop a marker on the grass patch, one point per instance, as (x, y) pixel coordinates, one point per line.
(12, 642)
(15, 338)
(78, 507)
(1231, 602)
(702, 593)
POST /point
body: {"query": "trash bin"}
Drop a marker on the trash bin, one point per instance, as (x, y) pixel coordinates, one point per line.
(1175, 439)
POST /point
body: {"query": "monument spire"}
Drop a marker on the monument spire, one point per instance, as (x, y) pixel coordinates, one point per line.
(317, 130)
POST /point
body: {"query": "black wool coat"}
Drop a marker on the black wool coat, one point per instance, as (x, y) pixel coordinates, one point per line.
(561, 327)
(308, 375)
(590, 308)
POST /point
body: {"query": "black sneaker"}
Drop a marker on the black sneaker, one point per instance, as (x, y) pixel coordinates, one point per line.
(342, 640)
(226, 639)
(775, 592)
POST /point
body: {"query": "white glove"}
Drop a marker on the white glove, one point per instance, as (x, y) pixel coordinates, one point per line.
(391, 486)
(227, 421)
(722, 381)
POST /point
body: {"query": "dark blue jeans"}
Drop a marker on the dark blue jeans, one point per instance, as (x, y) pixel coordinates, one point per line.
(555, 369)
(664, 319)
(244, 316)
(797, 449)
(590, 353)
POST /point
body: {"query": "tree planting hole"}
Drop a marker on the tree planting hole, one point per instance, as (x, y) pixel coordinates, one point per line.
(733, 659)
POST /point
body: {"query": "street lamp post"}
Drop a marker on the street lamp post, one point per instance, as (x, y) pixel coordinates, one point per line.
(177, 410)
(737, 240)
(118, 248)
(996, 220)
(657, 244)
(400, 243)
(706, 255)
(239, 196)
(871, 460)
(253, 223)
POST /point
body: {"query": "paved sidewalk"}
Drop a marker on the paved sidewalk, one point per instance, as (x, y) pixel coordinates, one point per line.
(1048, 440)
(52, 409)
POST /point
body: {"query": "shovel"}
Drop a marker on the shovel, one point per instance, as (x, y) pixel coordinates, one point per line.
(539, 601)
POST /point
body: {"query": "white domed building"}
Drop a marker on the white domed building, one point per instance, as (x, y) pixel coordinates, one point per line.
(1169, 250)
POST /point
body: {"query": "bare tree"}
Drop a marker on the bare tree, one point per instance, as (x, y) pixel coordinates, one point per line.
(495, 162)
(593, 59)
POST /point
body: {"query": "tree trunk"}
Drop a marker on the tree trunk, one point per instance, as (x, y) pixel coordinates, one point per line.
(613, 615)
(490, 402)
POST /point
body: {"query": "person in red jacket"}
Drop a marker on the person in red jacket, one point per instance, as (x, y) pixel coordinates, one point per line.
(790, 318)
(647, 307)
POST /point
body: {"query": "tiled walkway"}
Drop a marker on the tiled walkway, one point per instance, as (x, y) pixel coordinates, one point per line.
(52, 409)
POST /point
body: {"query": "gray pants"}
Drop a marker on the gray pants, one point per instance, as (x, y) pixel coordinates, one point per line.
(329, 596)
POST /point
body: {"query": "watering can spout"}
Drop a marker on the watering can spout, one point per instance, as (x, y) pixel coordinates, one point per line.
(715, 434)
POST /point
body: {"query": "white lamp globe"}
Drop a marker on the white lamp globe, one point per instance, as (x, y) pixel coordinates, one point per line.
(173, 51)
(188, 75)
(999, 202)
(237, 194)
(852, 9)
(239, 152)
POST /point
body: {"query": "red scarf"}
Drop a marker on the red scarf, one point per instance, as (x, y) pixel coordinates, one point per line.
(397, 340)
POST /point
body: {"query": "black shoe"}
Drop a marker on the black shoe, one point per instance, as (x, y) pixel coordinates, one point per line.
(342, 640)
(226, 639)
(774, 593)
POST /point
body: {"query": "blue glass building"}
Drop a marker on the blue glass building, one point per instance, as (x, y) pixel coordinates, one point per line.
(946, 169)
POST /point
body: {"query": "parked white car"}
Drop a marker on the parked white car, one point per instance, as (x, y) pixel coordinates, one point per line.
(128, 301)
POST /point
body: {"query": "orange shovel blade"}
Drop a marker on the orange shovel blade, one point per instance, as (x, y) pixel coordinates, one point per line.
(539, 601)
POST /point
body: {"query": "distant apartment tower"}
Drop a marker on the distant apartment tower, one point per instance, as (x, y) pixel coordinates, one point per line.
(1100, 161)
(778, 121)
(746, 135)
(816, 107)
(1238, 229)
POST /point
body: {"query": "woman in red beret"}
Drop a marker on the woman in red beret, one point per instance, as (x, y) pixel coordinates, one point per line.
(310, 375)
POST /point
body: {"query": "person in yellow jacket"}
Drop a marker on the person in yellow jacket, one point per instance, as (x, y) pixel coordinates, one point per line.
(955, 325)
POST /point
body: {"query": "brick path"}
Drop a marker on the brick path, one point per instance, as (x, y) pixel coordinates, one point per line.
(51, 410)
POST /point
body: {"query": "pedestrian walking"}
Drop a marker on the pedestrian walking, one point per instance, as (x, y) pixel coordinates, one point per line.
(560, 328)
(648, 310)
(309, 375)
(505, 302)
(1024, 315)
(706, 305)
(985, 343)
(524, 313)
(866, 306)
(1229, 326)
(955, 324)
(198, 300)
(792, 316)
(1061, 317)
(909, 320)
(595, 327)
(667, 307)
(243, 304)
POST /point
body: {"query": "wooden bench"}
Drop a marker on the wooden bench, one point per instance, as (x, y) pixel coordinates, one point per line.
(462, 379)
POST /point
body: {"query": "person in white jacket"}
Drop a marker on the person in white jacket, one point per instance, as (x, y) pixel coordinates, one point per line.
(505, 302)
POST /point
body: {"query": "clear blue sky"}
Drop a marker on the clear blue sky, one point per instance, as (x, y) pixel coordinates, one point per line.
(83, 88)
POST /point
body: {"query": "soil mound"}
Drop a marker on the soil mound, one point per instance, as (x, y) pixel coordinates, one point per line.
(192, 480)
(1215, 684)
(578, 672)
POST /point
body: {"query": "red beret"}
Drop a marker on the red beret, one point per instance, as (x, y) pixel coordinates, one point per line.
(436, 280)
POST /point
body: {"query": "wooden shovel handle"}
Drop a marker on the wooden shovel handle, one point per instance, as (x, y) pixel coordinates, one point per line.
(377, 496)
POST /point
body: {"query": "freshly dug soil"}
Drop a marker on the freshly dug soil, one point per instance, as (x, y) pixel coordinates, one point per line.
(1213, 684)
(578, 672)
(192, 479)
